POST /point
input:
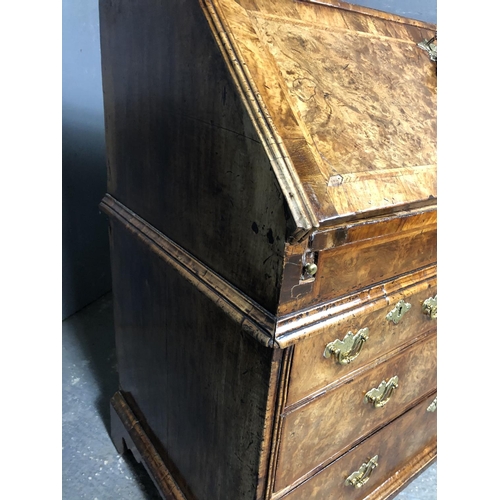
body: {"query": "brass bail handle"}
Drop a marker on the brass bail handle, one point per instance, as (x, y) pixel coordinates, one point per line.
(380, 395)
(362, 475)
(347, 350)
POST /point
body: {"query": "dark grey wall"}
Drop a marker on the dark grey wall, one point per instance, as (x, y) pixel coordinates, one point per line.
(423, 10)
(86, 268)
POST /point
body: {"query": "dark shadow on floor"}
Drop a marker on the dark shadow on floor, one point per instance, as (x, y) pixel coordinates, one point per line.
(91, 339)
(93, 331)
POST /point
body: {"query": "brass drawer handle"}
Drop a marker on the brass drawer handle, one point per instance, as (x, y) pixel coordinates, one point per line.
(361, 476)
(433, 406)
(348, 349)
(430, 307)
(380, 395)
(398, 312)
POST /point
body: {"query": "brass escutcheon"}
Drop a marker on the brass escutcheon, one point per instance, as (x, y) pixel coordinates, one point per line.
(347, 350)
(398, 312)
(433, 406)
(430, 307)
(380, 395)
(361, 476)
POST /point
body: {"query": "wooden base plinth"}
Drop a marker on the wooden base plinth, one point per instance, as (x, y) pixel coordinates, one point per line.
(126, 432)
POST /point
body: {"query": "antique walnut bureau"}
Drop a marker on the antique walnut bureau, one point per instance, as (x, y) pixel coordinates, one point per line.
(272, 208)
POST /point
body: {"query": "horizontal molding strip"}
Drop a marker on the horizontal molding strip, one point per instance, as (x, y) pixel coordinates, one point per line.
(371, 12)
(254, 320)
(306, 323)
(267, 329)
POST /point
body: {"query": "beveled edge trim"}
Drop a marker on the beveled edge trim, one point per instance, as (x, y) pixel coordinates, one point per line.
(253, 319)
(380, 220)
(283, 385)
(362, 215)
(293, 190)
(135, 437)
(387, 16)
(267, 329)
(306, 323)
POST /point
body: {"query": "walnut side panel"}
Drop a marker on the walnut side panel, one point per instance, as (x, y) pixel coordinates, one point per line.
(202, 387)
(255, 320)
(182, 151)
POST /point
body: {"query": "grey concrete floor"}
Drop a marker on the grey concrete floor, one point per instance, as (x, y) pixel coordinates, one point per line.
(92, 469)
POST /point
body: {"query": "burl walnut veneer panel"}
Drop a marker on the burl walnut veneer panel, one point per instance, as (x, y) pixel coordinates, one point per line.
(403, 449)
(201, 385)
(320, 430)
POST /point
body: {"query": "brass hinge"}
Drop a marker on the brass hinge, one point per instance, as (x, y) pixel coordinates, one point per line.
(430, 47)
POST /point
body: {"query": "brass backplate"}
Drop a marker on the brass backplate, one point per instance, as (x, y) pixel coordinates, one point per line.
(347, 350)
(430, 307)
(379, 396)
(433, 406)
(362, 475)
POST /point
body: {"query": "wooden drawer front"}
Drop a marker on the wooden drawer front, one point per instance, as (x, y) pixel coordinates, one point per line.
(358, 261)
(408, 441)
(315, 433)
(312, 372)
(351, 267)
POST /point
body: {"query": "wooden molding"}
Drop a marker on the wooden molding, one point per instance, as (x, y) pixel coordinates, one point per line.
(296, 327)
(126, 429)
(278, 420)
(371, 12)
(254, 320)
(267, 329)
(298, 201)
